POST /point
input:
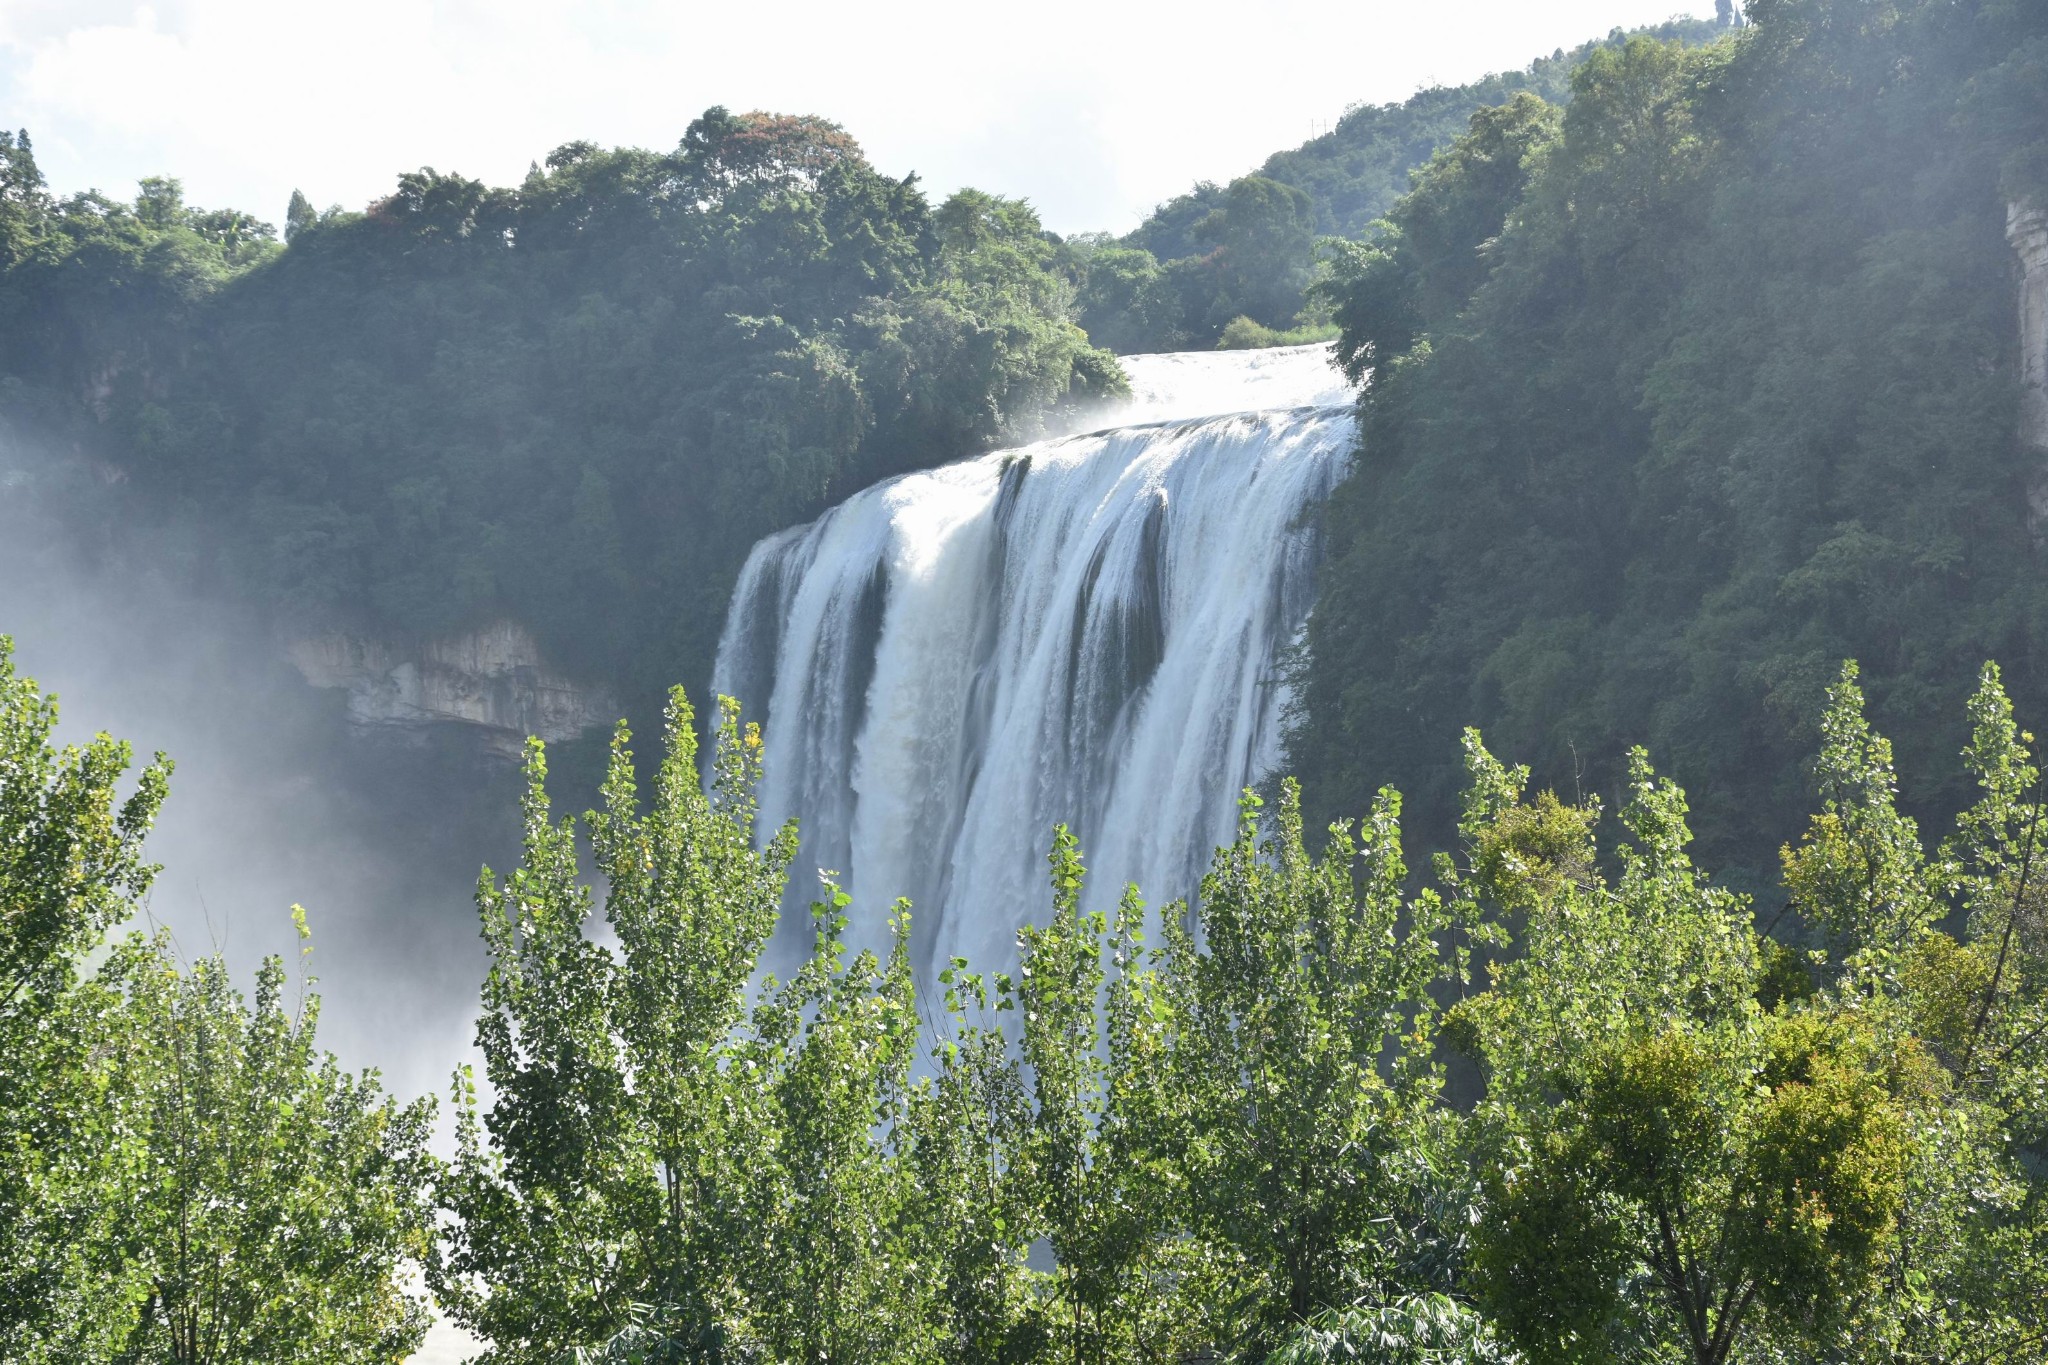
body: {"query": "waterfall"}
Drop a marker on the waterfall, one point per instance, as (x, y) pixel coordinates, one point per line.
(1086, 630)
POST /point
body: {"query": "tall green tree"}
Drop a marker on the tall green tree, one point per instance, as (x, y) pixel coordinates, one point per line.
(1693, 1140)
(606, 1179)
(834, 1271)
(1098, 1160)
(71, 868)
(966, 1127)
(1303, 1016)
(277, 1204)
(663, 1167)
(1667, 1166)
(186, 1178)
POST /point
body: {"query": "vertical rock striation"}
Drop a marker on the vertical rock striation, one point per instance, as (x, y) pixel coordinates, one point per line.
(2026, 227)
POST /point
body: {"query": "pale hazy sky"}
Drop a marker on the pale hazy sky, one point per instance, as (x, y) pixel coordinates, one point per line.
(1093, 109)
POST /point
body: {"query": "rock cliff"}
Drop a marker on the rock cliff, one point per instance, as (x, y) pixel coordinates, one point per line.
(2026, 227)
(493, 679)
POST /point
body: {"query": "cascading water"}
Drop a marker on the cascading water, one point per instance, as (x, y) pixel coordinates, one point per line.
(1086, 630)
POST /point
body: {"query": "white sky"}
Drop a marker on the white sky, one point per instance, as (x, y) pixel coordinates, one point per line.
(1095, 110)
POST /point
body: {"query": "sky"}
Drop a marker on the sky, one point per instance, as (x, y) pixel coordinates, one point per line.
(1092, 109)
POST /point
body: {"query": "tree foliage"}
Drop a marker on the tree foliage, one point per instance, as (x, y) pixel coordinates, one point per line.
(1679, 395)
(185, 1178)
(1249, 249)
(470, 402)
(1687, 1140)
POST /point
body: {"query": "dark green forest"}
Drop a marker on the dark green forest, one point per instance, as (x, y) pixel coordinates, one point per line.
(1679, 396)
(576, 402)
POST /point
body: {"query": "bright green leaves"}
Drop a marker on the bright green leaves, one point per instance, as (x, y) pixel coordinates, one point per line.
(1554, 1266)
(278, 1203)
(1675, 1190)
(70, 850)
(1860, 873)
(1614, 1046)
(1999, 856)
(1652, 1117)
(680, 1157)
(1688, 1144)
(1416, 1329)
(1303, 1026)
(832, 1272)
(1094, 1161)
(605, 1174)
(1822, 1182)
(183, 1176)
(70, 868)
(1692, 1143)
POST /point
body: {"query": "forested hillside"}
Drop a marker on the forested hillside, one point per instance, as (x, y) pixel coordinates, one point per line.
(575, 402)
(1248, 249)
(1679, 396)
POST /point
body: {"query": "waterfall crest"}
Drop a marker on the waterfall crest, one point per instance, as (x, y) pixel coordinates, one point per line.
(1084, 630)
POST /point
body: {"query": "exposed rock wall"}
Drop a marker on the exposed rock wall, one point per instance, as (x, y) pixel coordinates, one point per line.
(2027, 229)
(492, 678)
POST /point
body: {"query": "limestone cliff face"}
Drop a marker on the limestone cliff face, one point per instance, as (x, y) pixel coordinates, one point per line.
(492, 678)
(2026, 228)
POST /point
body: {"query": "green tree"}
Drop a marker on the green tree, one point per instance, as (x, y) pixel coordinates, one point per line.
(1117, 297)
(1302, 1017)
(277, 1203)
(604, 1182)
(1860, 873)
(1097, 1161)
(973, 1214)
(1419, 1329)
(24, 199)
(833, 1272)
(1426, 260)
(662, 1167)
(299, 215)
(71, 867)
(185, 1179)
(1267, 238)
(1667, 1168)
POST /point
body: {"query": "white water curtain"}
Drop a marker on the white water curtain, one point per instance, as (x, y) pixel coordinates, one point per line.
(1087, 630)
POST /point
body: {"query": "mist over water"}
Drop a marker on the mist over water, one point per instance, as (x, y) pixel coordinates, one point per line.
(1183, 384)
(273, 801)
(1088, 630)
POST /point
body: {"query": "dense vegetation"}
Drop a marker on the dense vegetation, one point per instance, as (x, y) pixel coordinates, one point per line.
(1691, 1144)
(1230, 264)
(576, 402)
(183, 1178)
(1680, 394)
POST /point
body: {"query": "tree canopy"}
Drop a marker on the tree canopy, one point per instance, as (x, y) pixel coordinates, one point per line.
(468, 402)
(1678, 395)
